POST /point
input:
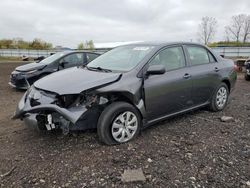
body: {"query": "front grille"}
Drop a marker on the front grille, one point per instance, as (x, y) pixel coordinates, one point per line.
(15, 80)
(41, 121)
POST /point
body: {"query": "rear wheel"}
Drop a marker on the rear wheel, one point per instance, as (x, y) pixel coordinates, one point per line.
(120, 122)
(220, 98)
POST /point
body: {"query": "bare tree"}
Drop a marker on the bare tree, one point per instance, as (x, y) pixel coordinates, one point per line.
(227, 35)
(234, 30)
(80, 46)
(246, 29)
(90, 45)
(207, 29)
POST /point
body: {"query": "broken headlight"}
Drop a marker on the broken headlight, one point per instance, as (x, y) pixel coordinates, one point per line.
(94, 99)
(66, 101)
(30, 92)
(83, 99)
(38, 96)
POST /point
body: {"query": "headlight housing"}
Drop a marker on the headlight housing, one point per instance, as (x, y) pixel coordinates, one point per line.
(29, 90)
(84, 99)
(31, 72)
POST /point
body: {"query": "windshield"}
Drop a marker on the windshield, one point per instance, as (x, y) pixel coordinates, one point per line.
(122, 59)
(52, 58)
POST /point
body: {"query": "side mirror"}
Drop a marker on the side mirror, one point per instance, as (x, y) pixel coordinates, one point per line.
(63, 63)
(156, 69)
(223, 56)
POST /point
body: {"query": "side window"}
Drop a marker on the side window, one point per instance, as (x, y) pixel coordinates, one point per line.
(172, 58)
(197, 55)
(91, 57)
(73, 60)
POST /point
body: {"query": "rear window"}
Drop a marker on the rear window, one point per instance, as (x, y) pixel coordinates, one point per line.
(197, 55)
(91, 57)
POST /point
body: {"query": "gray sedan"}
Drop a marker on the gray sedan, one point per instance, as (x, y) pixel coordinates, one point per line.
(129, 88)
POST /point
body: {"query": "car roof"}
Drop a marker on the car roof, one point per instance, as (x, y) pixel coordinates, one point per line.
(81, 51)
(85, 51)
(160, 43)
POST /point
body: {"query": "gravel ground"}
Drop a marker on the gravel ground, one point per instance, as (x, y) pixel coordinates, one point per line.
(192, 150)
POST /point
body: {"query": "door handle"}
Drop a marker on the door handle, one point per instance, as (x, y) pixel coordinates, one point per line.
(186, 76)
(216, 69)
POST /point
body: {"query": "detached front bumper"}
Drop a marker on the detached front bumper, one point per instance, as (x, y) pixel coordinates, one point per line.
(30, 114)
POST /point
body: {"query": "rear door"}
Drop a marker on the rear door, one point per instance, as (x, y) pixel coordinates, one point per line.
(204, 70)
(170, 92)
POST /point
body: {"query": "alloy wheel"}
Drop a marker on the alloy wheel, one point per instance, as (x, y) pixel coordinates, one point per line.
(124, 126)
(221, 97)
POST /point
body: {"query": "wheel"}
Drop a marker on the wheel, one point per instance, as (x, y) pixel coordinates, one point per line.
(247, 77)
(220, 98)
(120, 122)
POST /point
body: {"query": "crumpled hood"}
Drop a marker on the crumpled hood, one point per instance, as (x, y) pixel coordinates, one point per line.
(75, 80)
(30, 67)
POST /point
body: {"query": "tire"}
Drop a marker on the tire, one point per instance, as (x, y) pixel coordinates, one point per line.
(247, 77)
(219, 103)
(110, 124)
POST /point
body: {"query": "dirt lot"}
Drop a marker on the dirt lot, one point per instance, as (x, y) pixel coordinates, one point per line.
(194, 150)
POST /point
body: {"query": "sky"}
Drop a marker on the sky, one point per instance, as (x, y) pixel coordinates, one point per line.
(69, 22)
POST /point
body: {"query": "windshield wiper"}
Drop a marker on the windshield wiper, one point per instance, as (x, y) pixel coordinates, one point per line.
(99, 69)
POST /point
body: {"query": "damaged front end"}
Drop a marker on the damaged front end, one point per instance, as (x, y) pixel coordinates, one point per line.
(44, 110)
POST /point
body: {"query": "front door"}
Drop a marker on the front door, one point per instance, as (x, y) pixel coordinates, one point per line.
(170, 92)
(72, 60)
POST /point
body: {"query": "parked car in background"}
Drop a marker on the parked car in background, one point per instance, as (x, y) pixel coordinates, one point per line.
(247, 65)
(24, 76)
(129, 88)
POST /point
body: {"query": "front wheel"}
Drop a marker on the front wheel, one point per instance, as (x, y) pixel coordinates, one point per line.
(220, 98)
(120, 122)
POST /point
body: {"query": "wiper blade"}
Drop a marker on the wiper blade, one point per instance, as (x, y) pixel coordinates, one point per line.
(99, 69)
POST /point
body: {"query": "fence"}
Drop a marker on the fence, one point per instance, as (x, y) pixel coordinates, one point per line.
(233, 51)
(226, 51)
(29, 53)
(32, 53)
